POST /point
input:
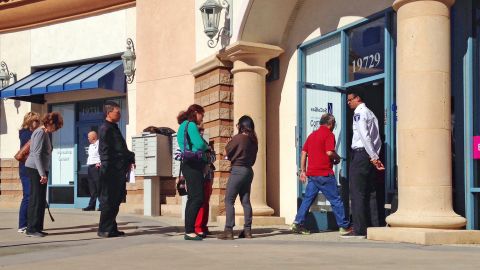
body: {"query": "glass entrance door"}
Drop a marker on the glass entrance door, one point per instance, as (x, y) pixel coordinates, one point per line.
(82, 192)
(63, 171)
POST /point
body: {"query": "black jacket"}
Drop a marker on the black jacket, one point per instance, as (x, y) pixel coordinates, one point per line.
(112, 146)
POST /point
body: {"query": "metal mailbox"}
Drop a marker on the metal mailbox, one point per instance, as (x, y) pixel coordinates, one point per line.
(153, 155)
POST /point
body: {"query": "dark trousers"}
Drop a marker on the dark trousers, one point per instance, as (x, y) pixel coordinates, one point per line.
(113, 191)
(23, 213)
(193, 173)
(362, 186)
(37, 202)
(239, 183)
(93, 184)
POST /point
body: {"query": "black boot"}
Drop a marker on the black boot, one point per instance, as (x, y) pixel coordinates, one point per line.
(227, 234)
(246, 233)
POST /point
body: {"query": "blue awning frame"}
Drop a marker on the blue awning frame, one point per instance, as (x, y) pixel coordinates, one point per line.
(105, 75)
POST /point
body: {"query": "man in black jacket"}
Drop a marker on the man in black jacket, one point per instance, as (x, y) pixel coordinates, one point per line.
(116, 161)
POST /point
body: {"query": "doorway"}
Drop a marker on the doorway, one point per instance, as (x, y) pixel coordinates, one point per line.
(373, 95)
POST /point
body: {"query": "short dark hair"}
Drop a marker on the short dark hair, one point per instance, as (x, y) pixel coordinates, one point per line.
(327, 119)
(356, 94)
(109, 106)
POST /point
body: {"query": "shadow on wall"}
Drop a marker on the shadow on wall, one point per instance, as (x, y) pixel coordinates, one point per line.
(3, 118)
(326, 17)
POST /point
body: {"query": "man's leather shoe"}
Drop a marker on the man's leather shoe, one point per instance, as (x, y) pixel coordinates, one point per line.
(88, 209)
(44, 233)
(107, 234)
(120, 233)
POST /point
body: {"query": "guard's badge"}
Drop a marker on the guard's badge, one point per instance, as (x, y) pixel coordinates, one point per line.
(356, 117)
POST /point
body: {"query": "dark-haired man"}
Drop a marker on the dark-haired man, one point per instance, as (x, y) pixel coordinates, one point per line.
(366, 145)
(116, 161)
(319, 148)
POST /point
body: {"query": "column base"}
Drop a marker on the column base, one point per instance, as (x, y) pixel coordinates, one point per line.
(423, 236)
(257, 221)
(445, 220)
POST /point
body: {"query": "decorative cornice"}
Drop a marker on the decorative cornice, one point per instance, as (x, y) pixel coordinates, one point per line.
(17, 15)
(245, 50)
(207, 64)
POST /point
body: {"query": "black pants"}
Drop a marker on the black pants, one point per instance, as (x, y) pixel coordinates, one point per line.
(193, 173)
(113, 191)
(93, 184)
(37, 203)
(362, 186)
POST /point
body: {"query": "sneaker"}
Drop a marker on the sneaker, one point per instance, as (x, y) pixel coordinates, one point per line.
(344, 231)
(22, 230)
(34, 234)
(352, 235)
(299, 229)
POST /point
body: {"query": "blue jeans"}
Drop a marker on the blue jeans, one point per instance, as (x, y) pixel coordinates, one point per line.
(22, 215)
(328, 186)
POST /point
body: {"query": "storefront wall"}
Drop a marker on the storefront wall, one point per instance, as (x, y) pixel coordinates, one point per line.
(60, 44)
(288, 31)
(66, 43)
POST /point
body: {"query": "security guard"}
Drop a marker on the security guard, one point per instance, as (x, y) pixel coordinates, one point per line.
(366, 145)
(116, 161)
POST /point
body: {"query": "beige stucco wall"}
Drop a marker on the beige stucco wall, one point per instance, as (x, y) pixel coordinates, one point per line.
(15, 51)
(308, 19)
(165, 55)
(87, 38)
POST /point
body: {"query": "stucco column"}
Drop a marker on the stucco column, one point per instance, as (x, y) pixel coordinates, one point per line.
(249, 99)
(424, 117)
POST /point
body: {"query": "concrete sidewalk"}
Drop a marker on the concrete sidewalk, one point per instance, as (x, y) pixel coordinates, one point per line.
(157, 242)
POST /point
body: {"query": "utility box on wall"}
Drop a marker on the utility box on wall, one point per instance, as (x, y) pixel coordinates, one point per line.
(153, 155)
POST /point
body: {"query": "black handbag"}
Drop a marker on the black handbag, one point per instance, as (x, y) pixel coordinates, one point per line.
(181, 184)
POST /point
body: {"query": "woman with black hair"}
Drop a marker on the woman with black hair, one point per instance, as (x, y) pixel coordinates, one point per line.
(189, 138)
(242, 152)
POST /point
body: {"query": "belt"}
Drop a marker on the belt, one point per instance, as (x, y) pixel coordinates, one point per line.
(358, 149)
(92, 165)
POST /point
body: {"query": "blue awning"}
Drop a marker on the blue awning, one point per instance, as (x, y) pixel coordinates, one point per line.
(105, 75)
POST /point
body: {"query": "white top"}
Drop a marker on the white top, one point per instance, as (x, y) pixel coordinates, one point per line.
(365, 131)
(93, 156)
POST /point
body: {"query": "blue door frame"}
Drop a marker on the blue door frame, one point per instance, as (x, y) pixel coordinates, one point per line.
(468, 11)
(389, 83)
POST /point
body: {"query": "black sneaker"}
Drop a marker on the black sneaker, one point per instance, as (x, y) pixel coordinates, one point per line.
(35, 234)
(88, 209)
(352, 235)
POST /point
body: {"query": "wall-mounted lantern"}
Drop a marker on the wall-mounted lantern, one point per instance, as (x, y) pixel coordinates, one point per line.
(211, 11)
(6, 75)
(128, 58)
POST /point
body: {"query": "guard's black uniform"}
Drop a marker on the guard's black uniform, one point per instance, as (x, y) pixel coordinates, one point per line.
(366, 145)
(116, 160)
